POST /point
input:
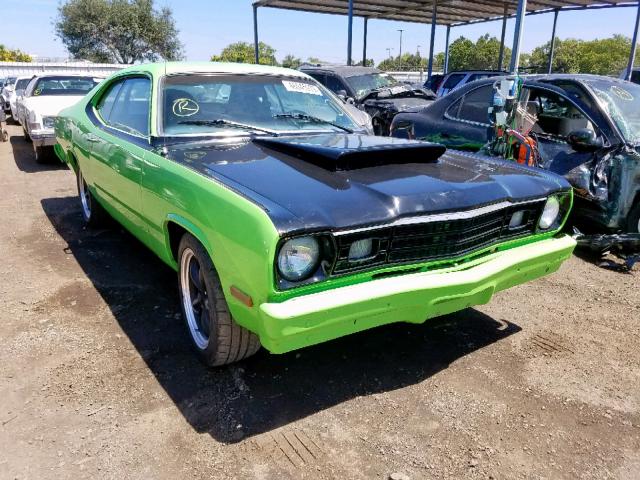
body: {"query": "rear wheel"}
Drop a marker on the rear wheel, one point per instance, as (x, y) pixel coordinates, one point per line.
(215, 336)
(92, 212)
(42, 154)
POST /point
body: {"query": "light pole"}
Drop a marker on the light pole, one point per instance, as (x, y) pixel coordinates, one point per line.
(400, 54)
(389, 52)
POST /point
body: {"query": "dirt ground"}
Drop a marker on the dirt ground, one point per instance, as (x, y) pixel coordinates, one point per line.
(97, 379)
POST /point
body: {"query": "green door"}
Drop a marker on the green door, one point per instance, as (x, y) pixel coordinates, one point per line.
(120, 143)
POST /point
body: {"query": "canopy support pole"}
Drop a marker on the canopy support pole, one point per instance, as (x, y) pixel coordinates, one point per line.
(517, 36)
(504, 31)
(553, 40)
(634, 46)
(434, 18)
(446, 51)
(255, 34)
(364, 48)
(350, 34)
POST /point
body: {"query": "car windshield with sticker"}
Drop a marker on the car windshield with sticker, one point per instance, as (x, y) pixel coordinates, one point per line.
(622, 101)
(63, 85)
(202, 104)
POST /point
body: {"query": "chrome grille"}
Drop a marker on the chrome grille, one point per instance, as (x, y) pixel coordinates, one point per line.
(438, 239)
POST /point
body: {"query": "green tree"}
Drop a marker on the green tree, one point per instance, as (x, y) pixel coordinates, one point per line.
(7, 55)
(290, 61)
(608, 56)
(119, 31)
(481, 55)
(243, 52)
(369, 63)
(408, 62)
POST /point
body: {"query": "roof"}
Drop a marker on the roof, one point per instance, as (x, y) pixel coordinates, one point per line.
(342, 70)
(170, 68)
(449, 12)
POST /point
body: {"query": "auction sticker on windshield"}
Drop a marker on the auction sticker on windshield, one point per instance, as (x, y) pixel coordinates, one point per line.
(301, 87)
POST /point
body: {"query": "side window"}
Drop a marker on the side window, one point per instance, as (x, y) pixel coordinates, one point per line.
(105, 105)
(130, 112)
(320, 77)
(557, 116)
(475, 105)
(334, 84)
(453, 81)
(635, 76)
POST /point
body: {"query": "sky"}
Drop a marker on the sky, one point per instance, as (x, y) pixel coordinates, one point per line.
(207, 26)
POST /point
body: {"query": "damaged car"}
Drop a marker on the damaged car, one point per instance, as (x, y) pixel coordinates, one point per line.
(289, 225)
(375, 92)
(584, 127)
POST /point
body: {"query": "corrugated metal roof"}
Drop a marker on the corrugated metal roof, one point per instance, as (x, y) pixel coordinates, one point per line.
(449, 12)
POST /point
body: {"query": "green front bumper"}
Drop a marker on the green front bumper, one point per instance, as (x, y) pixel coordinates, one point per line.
(413, 298)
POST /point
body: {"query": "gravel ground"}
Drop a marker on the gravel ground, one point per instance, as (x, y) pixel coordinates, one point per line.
(97, 380)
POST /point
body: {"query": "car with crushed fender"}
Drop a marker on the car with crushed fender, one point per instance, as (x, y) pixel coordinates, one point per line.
(587, 128)
(44, 97)
(375, 92)
(287, 223)
(5, 92)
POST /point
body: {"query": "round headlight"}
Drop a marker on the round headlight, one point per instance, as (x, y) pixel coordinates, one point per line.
(298, 258)
(550, 213)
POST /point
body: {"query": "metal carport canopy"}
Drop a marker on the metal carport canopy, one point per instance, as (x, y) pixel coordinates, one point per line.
(449, 13)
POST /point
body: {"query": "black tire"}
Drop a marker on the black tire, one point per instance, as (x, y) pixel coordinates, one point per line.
(92, 212)
(42, 154)
(633, 220)
(215, 336)
(27, 137)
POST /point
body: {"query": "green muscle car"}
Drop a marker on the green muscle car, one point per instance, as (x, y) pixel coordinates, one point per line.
(287, 223)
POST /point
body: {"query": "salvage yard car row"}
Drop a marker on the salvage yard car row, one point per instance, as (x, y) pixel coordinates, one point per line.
(287, 221)
(34, 102)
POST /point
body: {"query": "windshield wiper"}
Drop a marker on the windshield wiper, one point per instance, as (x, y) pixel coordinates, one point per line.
(227, 123)
(311, 119)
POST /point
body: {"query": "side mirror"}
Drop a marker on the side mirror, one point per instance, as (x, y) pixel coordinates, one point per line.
(584, 140)
(342, 94)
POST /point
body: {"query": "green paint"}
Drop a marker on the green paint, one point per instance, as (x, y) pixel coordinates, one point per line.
(153, 196)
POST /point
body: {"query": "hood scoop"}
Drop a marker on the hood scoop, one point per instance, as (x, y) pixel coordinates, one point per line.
(351, 152)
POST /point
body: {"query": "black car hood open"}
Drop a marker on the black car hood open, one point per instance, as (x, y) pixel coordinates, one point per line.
(285, 176)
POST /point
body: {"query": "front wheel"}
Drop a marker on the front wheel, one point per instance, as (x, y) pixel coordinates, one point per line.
(92, 211)
(27, 137)
(216, 337)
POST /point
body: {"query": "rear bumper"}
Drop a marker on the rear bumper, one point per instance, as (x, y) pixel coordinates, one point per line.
(43, 138)
(413, 298)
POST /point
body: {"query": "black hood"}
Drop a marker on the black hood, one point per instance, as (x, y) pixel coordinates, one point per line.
(296, 181)
(400, 104)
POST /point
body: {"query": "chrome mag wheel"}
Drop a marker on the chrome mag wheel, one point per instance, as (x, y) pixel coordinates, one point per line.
(195, 298)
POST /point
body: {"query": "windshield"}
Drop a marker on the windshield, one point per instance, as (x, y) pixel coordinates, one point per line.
(363, 84)
(621, 100)
(203, 104)
(22, 83)
(63, 85)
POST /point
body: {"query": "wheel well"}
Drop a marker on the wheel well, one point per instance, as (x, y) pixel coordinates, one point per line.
(71, 158)
(175, 232)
